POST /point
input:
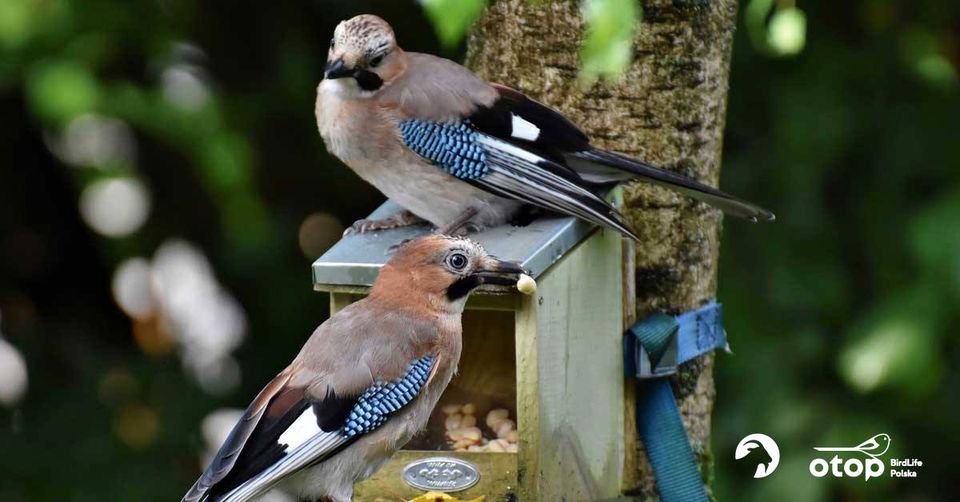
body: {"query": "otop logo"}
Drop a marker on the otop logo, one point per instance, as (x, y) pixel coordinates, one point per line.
(864, 462)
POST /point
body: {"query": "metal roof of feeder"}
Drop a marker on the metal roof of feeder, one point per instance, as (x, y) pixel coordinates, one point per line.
(355, 260)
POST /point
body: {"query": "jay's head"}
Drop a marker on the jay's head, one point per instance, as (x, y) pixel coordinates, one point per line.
(363, 55)
(441, 271)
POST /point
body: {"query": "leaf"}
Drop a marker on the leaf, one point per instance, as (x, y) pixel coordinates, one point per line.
(608, 43)
(452, 18)
(776, 30)
(787, 33)
(17, 20)
(921, 52)
(61, 90)
(896, 345)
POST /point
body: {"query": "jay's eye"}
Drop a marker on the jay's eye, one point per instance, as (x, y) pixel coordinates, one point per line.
(376, 61)
(457, 261)
(333, 42)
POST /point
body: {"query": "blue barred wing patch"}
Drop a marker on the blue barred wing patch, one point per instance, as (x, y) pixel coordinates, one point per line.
(451, 146)
(378, 402)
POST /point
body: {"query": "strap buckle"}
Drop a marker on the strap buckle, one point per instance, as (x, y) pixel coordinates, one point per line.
(645, 367)
(656, 346)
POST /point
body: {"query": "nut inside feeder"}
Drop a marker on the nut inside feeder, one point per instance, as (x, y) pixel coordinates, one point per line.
(464, 434)
(480, 401)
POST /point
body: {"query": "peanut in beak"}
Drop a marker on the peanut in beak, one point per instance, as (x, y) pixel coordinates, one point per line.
(526, 284)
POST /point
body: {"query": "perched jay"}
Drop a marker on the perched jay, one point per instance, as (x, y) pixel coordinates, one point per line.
(363, 384)
(462, 153)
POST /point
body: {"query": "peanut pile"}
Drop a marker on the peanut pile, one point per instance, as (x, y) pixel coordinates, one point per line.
(464, 434)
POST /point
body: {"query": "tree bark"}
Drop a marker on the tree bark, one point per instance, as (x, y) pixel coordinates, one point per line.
(667, 110)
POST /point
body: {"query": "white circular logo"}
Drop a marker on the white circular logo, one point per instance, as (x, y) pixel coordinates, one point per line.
(768, 463)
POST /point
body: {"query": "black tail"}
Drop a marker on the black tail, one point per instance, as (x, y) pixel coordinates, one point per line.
(722, 201)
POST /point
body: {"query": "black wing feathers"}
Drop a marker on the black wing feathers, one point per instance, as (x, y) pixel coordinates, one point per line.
(519, 174)
(535, 127)
(254, 444)
(262, 449)
(554, 133)
(226, 458)
(694, 189)
(333, 411)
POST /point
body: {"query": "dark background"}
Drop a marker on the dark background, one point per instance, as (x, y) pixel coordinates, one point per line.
(842, 315)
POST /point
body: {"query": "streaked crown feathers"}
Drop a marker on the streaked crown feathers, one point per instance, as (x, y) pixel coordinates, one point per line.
(364, 34)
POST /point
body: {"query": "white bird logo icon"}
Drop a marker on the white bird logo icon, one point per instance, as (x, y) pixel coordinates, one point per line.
(875, 446)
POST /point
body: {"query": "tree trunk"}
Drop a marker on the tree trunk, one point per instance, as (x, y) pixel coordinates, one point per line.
(667, 110)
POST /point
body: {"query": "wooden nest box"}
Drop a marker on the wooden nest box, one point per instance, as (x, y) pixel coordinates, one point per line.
(553, 361)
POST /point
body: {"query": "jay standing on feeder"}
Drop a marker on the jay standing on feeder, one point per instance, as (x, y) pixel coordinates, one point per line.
(363, 384)
(465, 154)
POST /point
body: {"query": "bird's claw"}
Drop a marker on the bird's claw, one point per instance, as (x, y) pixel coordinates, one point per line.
(402, 219)
(462, 230)
(366, 225)
(471, 228)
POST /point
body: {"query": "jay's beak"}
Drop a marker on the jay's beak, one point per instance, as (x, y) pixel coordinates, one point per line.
(337, 69)
(501, 273)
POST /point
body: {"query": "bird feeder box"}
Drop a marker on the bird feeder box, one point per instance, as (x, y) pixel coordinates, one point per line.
(552, 360)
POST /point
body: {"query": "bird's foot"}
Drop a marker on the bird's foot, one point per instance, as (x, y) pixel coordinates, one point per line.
(401, 219)
(462, 225)
(463, 230)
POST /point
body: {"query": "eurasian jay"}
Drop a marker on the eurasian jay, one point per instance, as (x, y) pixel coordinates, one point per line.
(363, 384)
(462, 153)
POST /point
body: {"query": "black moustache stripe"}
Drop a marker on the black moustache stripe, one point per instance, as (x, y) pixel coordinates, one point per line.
(367, 80)
(462, 287)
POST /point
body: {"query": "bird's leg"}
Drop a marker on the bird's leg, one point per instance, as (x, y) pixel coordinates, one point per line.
(461, 225)
(402, 219)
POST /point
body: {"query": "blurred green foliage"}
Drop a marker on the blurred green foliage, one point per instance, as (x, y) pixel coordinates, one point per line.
(842, 118)
(842, 313)
(452, 18)
(778, 28)
(607, 48)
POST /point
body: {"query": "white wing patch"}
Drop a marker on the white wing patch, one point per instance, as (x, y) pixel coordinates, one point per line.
(521, 128)
(516, 151)
(301, 430)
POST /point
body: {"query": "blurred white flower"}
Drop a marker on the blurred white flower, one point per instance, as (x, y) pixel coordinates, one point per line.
(207, 321)
(185, 86)
(176, 299)
(13, 374)
(217, 375)
(131, 288)
(187, 52)
(115, 207)
(95, 141)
